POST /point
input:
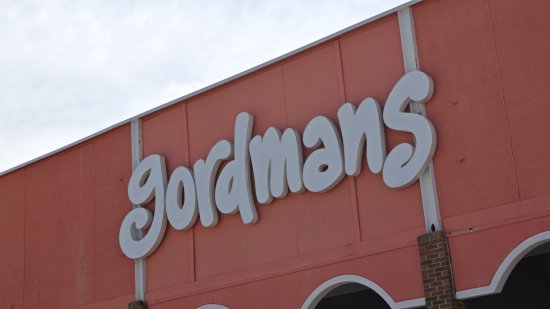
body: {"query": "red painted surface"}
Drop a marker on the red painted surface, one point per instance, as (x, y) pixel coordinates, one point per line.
(491, 167)
(372, 62)
(231, 245)
(113, 166)
(312, 87)
(477, 256)
(41, 248)
(291, 289)
(75, 228)
(165, 133)
(461, 60)
(60, 216)
(520, 32)
(12, 239)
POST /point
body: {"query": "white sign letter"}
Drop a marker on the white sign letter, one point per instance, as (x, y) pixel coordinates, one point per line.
(277, 164)
(233, 189)
(147, 181)
(358, 125)
(181, 215)
(205, 173)
(323, 168)
(406, 162)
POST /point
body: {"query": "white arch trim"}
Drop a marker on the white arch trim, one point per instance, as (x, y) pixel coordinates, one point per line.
(322, 290)
(212, 306)
(506, 267)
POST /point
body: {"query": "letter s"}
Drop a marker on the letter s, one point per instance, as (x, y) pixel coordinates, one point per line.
(406, 162)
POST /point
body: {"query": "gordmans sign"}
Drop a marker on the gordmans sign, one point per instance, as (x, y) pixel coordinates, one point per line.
(276, 164)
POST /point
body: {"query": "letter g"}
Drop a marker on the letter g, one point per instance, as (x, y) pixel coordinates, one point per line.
(148, 180)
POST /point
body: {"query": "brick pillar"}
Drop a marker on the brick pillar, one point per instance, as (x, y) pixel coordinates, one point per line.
(437, 274)
(138, 304)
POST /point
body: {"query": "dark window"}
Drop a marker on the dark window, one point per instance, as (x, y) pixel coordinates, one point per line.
(528, 286)
(352, 296)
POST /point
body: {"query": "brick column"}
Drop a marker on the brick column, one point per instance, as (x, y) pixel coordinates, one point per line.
(138, 304)
(437, 274)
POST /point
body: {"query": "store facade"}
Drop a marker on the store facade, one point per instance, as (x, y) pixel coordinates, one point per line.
(399, 163)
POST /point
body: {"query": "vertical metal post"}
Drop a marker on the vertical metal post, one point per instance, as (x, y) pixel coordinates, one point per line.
(430, 201)
(137, 156)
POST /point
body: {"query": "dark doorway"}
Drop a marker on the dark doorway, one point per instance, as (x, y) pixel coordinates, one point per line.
(352, 296)
(528, 286)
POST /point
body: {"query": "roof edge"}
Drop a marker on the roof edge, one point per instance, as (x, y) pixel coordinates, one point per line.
(217, 84)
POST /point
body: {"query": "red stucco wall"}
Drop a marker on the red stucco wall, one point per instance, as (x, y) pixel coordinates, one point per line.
(60, 216)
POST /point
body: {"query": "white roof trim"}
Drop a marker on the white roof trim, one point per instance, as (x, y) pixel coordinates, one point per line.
(212, 306)
(322, 290)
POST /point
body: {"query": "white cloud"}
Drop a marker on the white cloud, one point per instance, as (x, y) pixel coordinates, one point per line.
(71, 68)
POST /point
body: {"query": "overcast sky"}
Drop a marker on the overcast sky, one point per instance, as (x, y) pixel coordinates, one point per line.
(71, 68)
